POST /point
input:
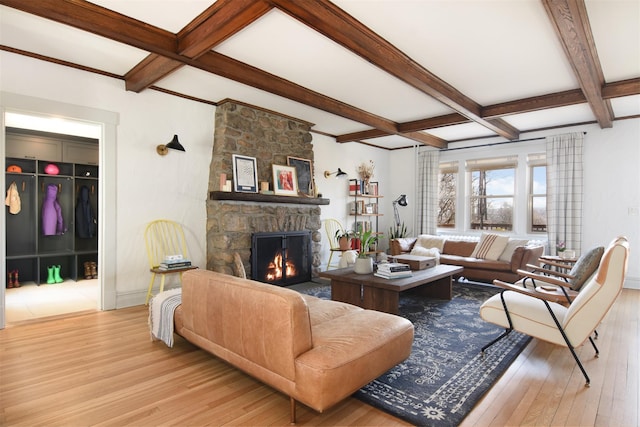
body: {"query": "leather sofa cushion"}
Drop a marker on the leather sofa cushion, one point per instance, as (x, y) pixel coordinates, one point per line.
(459, 248)
(468, 262)
(321, 310)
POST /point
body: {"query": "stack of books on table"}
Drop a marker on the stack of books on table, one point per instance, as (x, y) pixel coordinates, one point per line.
(393, 270)
(174, 263)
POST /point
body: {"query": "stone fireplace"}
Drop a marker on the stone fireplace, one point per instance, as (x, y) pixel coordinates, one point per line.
(233, 218)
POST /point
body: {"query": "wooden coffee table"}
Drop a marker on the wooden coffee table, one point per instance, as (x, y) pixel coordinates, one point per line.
(376, 293)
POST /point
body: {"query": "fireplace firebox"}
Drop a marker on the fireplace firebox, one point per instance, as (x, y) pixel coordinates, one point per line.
(281, 258)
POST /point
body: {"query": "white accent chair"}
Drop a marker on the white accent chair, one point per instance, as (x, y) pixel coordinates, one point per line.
(541, 316)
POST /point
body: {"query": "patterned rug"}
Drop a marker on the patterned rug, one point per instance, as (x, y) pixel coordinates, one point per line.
(445, 375)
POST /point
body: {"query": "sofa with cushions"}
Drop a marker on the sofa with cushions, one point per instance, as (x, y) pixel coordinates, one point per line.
(493, 257)
(315, 351)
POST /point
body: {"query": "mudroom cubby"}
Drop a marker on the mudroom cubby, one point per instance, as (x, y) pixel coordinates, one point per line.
(35, 250)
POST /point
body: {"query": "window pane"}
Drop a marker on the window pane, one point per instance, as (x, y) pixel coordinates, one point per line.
(539, 180)
(492, 213)
(539, 214)
(492, 197)
(447, 200)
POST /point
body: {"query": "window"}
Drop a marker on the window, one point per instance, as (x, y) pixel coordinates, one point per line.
(492, 187)
(448, 180)
(537, 193)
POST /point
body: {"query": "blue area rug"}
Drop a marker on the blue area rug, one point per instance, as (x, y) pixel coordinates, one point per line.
(445, 375)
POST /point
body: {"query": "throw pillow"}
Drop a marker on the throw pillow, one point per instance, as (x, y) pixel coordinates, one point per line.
(585, 266)
(431, 252)
(490, 246)
(429, 241)
(512, 244)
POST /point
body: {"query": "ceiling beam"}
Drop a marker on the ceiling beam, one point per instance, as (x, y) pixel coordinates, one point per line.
(571, 23)
(219, 22)
(328, 19)
(622, 88)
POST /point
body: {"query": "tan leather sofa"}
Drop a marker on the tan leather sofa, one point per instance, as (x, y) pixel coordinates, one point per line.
(458, 252)
(316, 351)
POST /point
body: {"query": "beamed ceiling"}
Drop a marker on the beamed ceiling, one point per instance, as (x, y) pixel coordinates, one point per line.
(388, 73)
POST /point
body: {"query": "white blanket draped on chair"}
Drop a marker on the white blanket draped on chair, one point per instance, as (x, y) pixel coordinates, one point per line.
(161, 309)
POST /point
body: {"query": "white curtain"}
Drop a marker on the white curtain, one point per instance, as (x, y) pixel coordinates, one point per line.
(427, 197)
(564, 191)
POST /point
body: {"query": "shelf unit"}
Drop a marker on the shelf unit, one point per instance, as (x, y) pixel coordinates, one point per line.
(27, 250)
(364, 207)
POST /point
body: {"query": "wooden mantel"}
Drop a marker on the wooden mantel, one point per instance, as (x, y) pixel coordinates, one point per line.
(266, 198)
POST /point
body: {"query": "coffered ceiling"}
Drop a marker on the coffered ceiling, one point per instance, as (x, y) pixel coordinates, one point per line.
(388, 73)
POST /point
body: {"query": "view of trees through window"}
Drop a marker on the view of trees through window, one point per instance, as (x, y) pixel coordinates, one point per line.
(538, 203)
(491, 201)
(448, 179)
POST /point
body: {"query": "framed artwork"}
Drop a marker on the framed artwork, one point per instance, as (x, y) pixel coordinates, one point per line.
(285, 182)
(373, 188)
(305, 174)
(245, 174)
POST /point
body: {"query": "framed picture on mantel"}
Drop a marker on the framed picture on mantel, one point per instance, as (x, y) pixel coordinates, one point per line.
(304, 171)
(245, 174)
(285, 182)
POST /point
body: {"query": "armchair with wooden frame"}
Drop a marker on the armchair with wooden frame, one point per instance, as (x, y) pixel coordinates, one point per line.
(539, 315)
(561, 277)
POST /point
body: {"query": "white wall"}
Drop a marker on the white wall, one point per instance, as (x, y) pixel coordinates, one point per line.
(148, 186)
(612, 181)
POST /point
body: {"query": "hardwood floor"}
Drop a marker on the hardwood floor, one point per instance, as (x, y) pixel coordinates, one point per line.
(102, 369)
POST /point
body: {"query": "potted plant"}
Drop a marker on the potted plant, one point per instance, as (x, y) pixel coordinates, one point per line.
(343, 238)
(397, 231)
(364, 263)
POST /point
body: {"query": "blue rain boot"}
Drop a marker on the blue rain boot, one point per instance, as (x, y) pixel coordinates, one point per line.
(56, 274)
(50, 278)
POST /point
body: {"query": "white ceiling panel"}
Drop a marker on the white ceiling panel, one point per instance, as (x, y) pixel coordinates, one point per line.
(28, 32)
(626, 106)
(170, 15)
(616, 30)
(580, 113)
(285, 47)
(391, 142)
(463, 131)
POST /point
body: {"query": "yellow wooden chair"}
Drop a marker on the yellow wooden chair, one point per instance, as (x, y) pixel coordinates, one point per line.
(164, 238)
(332, 225)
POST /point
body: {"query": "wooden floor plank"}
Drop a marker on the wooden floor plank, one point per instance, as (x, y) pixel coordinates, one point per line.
(102, 369)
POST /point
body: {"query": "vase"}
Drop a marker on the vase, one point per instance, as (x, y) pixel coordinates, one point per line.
(363, 266)
(344, 243)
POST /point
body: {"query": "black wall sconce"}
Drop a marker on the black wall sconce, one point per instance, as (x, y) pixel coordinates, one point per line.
(338, 174)
(173, 145)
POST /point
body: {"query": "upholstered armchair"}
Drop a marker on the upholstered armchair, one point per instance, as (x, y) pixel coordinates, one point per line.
(540, 315)
(561, 277)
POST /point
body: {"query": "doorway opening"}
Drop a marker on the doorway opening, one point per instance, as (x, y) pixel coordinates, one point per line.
(32, 256)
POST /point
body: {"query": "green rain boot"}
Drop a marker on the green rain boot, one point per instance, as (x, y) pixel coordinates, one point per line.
(50, 279)
(56, 274)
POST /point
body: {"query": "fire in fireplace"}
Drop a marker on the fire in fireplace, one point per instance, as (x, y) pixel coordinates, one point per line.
(281, 258)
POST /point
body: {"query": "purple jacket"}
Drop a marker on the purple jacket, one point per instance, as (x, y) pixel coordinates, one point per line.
(52, 222)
